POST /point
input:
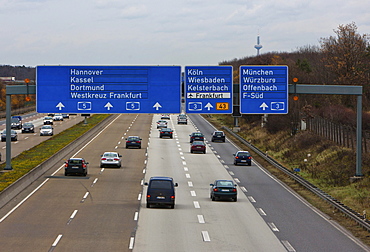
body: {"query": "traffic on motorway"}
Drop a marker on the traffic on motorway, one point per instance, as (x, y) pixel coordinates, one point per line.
(164, 197)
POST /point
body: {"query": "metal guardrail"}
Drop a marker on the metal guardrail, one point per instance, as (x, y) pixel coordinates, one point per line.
(357, 217)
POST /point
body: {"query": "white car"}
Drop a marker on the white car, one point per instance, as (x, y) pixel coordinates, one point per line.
(110, 159)
(48, 120)
(58, 117)
(46, 130)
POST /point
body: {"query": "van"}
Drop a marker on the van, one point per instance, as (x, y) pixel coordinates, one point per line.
(161, 191)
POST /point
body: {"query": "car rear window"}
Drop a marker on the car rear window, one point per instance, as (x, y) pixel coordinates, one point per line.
(110, 155)
(161, 184)
(243, 155)
(224, 183)
(75, 161)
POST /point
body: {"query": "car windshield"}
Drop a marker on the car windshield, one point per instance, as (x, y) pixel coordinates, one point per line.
(166, 129)
(218, 133)
(46, 127)
(224, 183)
(28, 124)
(48, 118)
(161, 184)
(11, 132)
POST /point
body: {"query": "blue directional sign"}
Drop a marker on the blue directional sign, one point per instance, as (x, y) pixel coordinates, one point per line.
(108, 89)
(209, 89)
(264, 89)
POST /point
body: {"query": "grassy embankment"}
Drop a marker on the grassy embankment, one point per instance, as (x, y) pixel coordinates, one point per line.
(29, 159)
(323, 163)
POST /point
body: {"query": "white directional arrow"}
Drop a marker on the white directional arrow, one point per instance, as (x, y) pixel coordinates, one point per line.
(208, 106)
(157, 106)
(60, 105)
(264, 106)
(108, 106)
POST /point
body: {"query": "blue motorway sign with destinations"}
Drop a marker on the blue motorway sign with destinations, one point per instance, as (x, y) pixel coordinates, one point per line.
(209, 89)
(264, 89)
(108, 89)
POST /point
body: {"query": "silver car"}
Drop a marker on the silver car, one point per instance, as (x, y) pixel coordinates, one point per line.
(110, 159)
(46, 130)
(161, 124)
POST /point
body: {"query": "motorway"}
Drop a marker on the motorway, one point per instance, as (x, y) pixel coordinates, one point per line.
(105, 211)
(28, 140)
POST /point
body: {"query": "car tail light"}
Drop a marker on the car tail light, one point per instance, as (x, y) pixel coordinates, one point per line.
(103, 158)
(215, 189)
(127, 141)
(236, 157)
(116, 159)
(138, 141)
(234, 190)
(83, 165)
(173, 197)
(249, 157)
(148, 196)
(66, 165)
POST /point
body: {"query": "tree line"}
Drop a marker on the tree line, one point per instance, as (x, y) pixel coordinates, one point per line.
(340, 59)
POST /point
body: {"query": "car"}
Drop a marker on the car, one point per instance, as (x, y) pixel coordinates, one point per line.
(218, 136)
(165, 132)
(16, 123)
(76, 166)
(161, 191)
(58, 117)
(165, 117)
(28, 128)
(242, 157)
(161, 124)
(223, 189)
(46, 130)
(198, 146)
(48, 120)
(182, 119)
(13, 135)
(110, 159)
(196, 136)
(133, 141)
(65, 116)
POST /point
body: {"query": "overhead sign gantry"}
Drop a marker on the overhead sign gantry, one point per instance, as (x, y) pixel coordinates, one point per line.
(209, 89)
(108, 89)
(264, 89)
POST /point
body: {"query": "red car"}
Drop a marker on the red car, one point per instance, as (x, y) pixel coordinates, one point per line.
(198, 146)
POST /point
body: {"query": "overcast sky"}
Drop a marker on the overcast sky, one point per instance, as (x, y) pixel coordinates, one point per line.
(165, 32)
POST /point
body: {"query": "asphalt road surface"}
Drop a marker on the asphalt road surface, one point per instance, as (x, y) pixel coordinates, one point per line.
(106, 211)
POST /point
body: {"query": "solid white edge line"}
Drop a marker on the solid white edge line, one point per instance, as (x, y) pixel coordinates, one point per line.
(288, 246)
(20, 203)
